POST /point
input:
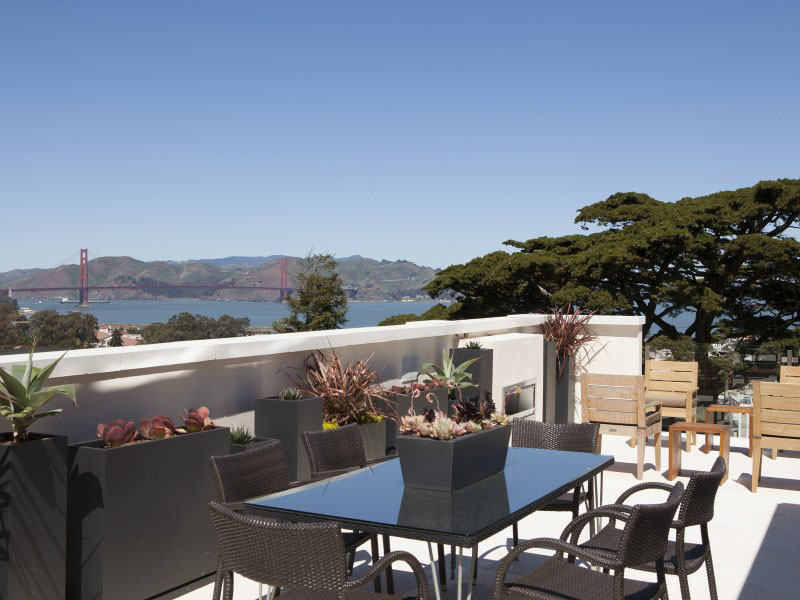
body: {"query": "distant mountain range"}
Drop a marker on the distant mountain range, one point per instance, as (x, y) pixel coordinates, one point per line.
(366, 278)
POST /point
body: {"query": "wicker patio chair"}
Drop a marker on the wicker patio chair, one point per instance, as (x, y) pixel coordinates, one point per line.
(303, 559)
(576, 437)
(697, 508)
(337, 451)
(644, 540)
(618, 404)
(263, 471)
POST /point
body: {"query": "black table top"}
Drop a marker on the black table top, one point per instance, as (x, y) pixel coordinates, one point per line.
(374, 499)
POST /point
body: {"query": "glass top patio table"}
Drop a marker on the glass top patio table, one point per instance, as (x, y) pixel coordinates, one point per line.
(374, 499)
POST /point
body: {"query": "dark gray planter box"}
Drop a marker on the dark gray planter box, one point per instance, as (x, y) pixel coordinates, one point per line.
(397, 405)
(33, 508)
(138, 522)
(256, 443)
(449, 465)
(285, 420)
(559, 394)
(373, 436)
(481, 370)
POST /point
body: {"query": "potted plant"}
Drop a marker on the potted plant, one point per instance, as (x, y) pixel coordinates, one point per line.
(137, 510)
(456, 377)
(480, 369)
(33, 475)
(398, 399)
(350, 394)
(566, 333)
(242, 440)
(443, 453)
(285, 417)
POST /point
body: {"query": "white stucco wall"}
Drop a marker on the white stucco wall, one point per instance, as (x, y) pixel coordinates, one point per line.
(227, 375)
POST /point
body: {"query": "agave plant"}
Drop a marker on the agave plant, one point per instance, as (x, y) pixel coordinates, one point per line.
(196, 419)
(22, 394)
(157, 428)
(455, 376)
(116, 432)
(290, 393)
(570, 331)
(241, 435)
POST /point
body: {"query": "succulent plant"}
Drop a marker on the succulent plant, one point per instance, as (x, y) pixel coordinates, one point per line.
(450, 374)
(241, 435)
(290, 393)
(157, 428)
(116, 432)
(467, 410)
(473, 345)
(487, 405)
(196, 419)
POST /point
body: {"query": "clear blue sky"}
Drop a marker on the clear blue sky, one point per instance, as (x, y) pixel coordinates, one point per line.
(431, 131)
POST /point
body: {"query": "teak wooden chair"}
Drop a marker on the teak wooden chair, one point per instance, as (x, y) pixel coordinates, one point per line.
(674, 384)
(776, 420)
(790, 375)
(618, 405)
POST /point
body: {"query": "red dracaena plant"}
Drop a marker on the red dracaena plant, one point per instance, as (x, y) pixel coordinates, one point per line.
(569, 329)
(348, 391)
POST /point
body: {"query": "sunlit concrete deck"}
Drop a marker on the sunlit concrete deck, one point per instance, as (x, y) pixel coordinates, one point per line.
(755, 537)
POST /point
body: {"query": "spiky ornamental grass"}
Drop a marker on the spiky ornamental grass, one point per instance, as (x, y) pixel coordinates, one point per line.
(570, 331)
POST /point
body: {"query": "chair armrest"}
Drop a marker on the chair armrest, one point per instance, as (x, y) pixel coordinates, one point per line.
(652, 403)
(383, 563)
(653, 485)
(595, 557)
(610, 511)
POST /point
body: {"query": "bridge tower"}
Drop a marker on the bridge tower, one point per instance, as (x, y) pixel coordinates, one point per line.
(284, 285)
(83, 292)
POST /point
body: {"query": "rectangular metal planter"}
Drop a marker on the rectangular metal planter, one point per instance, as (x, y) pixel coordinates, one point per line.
(398, 404)
(481, 370)
(559, 394)
(138, 522)
(256, 443)
(33, 525)
(452, 464)
(373, 436)
(285, 420)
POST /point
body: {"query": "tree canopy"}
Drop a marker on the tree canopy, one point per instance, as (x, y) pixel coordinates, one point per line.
(185, 326)
(320, 301)
(53, 330)
(728, 258)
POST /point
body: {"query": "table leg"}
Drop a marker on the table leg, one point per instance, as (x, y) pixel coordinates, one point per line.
(750, 431)
(709, 442)
(375, 557)
(389, 574)
(460, 571)
(724, 452)
(435, 573)
(674, 454)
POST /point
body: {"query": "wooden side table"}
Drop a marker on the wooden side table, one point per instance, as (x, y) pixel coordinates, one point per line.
(710, 429)
(730, 408)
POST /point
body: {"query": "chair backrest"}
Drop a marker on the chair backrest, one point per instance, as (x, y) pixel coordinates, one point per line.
(644, 538)
(334, 449)
(776, 409)
(668, 377)
(573, 437)
(309, 556)
(790, 374)
(697, 506)
(252, 473)
(613, 399)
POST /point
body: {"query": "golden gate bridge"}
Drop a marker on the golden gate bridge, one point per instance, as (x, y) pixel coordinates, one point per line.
(83, 286)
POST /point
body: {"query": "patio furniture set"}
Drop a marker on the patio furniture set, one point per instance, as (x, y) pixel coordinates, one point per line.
(289, 535)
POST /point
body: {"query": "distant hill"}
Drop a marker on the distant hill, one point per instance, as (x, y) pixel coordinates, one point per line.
(366, 278)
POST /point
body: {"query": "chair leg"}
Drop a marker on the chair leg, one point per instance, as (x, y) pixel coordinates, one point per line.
(442, 568)
(475, 562)
(452, 562)
(774, 453)
(657, 448)
(351, 559)
(756, 469)
(375, 556)
(389, 573)
(640, 444)
(712, 582)
(515, 536)
(218, 585)
(688, 433)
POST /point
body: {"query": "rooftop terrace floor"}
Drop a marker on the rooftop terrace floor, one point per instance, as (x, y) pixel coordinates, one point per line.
(755, 538)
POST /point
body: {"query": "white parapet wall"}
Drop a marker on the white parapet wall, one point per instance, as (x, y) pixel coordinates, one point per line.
(228, 374)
